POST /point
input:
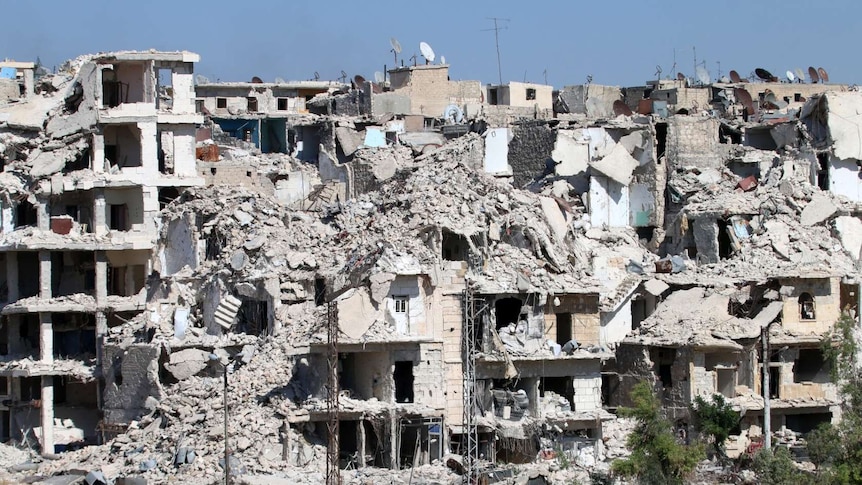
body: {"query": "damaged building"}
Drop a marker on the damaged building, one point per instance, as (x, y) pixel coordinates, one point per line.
(413, 274)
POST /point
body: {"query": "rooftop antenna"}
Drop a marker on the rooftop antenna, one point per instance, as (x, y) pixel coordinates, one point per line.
(545, 73)
(673, 68)
(413, 58)
(718, 63)
(658, 72)
(396, 48)
(317, 75)
(694, 53)
(427, 52)
(497, 28)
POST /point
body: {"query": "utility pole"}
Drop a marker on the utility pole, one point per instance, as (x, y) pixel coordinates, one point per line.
(497, 30)
(767, 411)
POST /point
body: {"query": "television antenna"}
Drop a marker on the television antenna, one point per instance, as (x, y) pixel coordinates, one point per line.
(396, 48)
(427, 52)
(497, 28)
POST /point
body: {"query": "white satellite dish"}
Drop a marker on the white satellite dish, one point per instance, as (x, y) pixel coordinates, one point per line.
(427, 52)
(702, 75)
(378, 77)
(442, 59)
(279, 80)
(790, 76)
(800, 75)
(396, 48)
(201, 79)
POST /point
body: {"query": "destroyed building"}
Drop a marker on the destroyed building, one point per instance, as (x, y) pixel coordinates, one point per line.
(391, 273)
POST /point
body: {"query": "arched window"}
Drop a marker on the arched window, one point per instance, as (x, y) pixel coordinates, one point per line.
(806, 307)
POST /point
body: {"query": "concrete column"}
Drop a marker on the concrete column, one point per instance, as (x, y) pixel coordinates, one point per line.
(43, 218)
(100, 227)
(47, 414)
(98, 164)
(46, 338)
(149, 149)
(393, 442)
(101, 278)
(12, 276)
(29, 83)
(360, 435)
(45, 274)
(101, 331)
(8, 216)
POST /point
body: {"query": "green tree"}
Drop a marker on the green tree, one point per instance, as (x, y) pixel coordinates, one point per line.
(837, 450)
(777, 468)
(656, 456)
(715, 419)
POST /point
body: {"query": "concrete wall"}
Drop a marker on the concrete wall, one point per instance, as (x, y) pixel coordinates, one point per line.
(844, 178)
(609, 202)
(133, 199)
(616, 325)
(515, 94)
(137, 368)
(693, 141)
(411, 321)
(530, 151)
(826, 293)
(497, 151)
(586, 321)
(427, 87)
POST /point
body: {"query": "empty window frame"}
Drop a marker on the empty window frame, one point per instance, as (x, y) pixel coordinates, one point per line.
(531, 94)
(402, 303)
(806, 307)
(221, 103)
(282, 104)
(252, 104)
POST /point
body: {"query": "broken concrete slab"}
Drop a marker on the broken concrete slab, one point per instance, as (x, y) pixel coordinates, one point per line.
(572, 157)
(617, 165)
(187, 362)
(818, 210)
(356, 313)
(849, 231)
(655, 287)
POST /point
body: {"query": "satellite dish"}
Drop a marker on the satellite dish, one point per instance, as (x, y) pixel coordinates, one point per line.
(824, 76)
(396, 48)
(427, 52)
(812, 73)
(256, 80)
(734, 77)
(790, 76)
(744, 97)
(621, 108)
(800, 76)
(764, 74)
(442, 59)
(680, 76)
(317, 76)
(771, 101)
(201, 79)
(702, 75)
(359, 81)
(378, 77)
(724, 79)
(279, 80)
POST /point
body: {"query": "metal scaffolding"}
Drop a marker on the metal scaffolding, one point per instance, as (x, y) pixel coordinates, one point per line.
(333, 472)
(472, 310)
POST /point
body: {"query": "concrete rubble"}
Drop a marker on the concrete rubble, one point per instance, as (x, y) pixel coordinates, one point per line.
(409, 249)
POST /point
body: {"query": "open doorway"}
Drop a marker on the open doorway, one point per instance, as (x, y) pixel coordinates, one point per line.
(403, 377)
(507, 311)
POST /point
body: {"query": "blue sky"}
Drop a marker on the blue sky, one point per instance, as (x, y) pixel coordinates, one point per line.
(617, 42)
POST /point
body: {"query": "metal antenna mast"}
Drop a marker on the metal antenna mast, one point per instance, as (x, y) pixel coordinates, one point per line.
(497, 30)
(333, 473)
